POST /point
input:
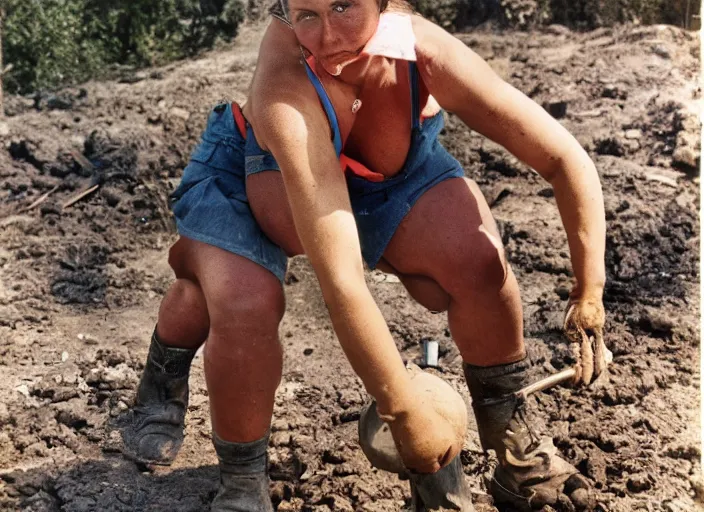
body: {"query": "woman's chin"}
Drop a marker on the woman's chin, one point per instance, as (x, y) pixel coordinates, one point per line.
(335, 68)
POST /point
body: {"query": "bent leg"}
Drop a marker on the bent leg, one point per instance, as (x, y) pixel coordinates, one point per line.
(243, 357)
(183, 314)
(450, 237)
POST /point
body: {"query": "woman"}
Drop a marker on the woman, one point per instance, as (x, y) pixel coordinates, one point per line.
(361, 84)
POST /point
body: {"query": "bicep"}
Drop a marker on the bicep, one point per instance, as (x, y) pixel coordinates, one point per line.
(299, 139)
(465, 84)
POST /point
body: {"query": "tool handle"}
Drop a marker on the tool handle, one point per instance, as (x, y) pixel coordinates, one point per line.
(547, 382)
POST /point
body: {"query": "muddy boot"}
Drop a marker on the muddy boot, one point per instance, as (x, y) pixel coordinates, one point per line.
(154, 432)
(244, 476)
(530, 472)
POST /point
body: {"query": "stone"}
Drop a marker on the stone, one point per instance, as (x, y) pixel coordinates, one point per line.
(180, 113)
(639, 483)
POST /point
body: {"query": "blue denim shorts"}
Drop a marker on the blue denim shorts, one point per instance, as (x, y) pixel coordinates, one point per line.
(210, 205)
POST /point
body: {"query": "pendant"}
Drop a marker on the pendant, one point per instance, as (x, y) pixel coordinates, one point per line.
(356, 105)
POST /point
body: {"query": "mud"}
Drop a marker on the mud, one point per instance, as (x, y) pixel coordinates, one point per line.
(81, 285)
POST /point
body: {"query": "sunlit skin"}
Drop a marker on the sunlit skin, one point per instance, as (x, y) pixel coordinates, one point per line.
(334, 32)
(447, 251)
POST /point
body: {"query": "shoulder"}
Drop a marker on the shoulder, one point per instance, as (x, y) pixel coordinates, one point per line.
(280, 73)
(436, 48)
(281, 94)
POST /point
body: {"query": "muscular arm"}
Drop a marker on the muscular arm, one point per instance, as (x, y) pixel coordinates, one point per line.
(463, 83)
(289, 121)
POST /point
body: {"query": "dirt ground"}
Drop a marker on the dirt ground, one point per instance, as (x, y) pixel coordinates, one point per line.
(80, 285)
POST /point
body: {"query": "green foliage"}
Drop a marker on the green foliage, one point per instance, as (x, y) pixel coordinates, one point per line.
(54, 42)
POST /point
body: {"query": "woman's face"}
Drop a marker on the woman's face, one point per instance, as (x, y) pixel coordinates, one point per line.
(334, 31)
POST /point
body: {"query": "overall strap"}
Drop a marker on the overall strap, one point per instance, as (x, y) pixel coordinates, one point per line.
(327, 106)
(415, 94)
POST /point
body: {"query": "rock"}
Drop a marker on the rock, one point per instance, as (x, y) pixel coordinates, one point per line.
(557, 30)
(697, 483)
(281, 438)
(686, 156)
(4, 130)
(662, 51)
(610, 146)
(4, 414)
(614, 92)
(633, 134)
(677, 506)
(180, 113)
(118, 377)
(639, 483)
(112, 195)
(64, 356)
(23, 389)
(279, 424)
(59, 103)
(657, 322)
(557, 109)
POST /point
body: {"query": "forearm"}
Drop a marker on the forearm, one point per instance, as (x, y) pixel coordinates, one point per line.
(369, 347)
(581, 204)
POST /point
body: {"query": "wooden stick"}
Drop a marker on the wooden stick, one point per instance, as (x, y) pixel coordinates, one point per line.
(40, 200)
(82, 161)
(80, 196)
(547, 382)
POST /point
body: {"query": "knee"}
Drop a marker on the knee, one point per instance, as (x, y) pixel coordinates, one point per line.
(255, 312)
(482, 267)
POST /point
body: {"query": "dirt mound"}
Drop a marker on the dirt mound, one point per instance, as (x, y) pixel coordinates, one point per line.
(84, 228)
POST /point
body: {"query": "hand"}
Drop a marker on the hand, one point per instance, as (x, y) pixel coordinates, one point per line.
(429, 431)
(425, 440)
(584, 326)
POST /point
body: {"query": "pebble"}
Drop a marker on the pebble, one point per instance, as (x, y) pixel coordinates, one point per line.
(64, 356)
(639, 483)
(4, 414)
(633, 134)
(281, 439)
(580, 498)
(180, 113)
(685, 155)
(23, 389)
(696, 481)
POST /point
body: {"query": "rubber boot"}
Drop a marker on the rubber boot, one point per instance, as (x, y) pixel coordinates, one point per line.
(244, 476)
(530, 473)
(154, 432)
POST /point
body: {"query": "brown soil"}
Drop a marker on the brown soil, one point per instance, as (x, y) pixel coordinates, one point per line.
(80, 285)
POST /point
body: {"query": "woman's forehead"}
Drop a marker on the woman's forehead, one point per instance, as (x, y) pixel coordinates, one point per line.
(291, 5)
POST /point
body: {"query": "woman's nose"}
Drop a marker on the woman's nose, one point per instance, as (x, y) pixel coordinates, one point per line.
(329, 36)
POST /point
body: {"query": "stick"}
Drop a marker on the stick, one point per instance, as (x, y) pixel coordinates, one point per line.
(40, 200)
(547, 382)
(80, 196)
(82, 161)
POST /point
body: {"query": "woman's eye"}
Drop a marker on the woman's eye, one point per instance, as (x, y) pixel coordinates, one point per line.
(340, 8)
(305, 16)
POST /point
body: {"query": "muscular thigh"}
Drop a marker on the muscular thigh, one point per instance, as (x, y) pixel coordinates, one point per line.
(449, 235)
(229, 282)
(267, 198)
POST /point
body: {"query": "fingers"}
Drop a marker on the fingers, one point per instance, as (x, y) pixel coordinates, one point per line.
(576, 350)
(599, 354)
(587, 357)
